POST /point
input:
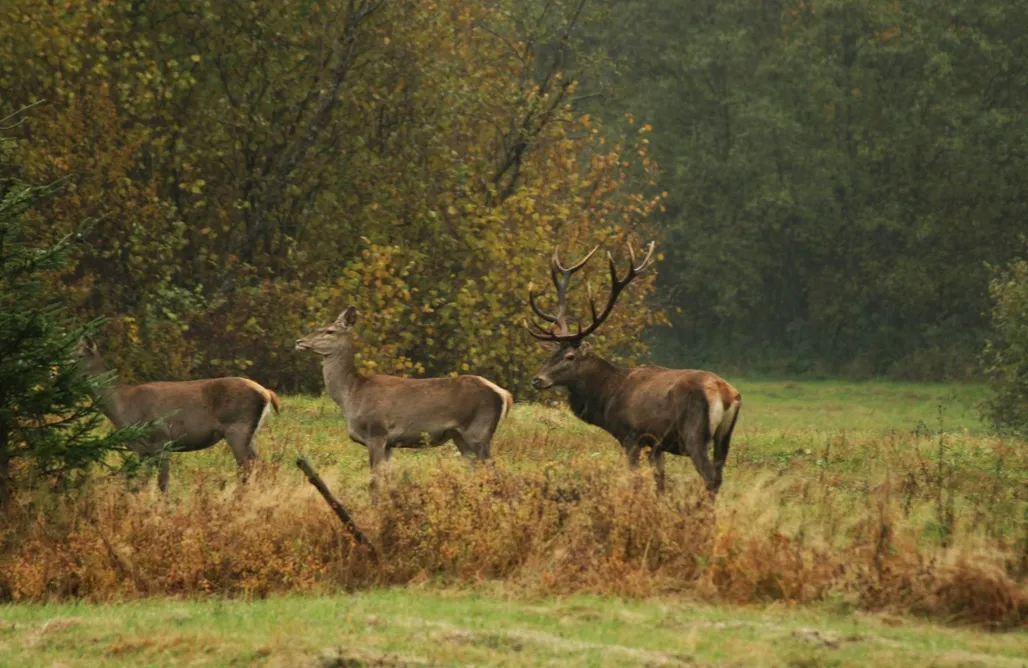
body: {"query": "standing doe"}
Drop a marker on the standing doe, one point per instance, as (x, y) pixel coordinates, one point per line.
(386, 412)
(191, 415)
(675, 411)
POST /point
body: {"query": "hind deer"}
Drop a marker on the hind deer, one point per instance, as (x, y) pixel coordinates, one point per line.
(385, 412)
(191, 415)
(679, 412)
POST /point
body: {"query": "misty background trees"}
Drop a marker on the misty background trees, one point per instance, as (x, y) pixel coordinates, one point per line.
(841, 175)
(833, 185)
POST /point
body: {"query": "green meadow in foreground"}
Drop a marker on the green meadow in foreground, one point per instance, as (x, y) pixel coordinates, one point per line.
(414, 626)
(850, 513)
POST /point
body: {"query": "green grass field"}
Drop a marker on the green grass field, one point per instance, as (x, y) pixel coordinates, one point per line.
(808, 459)
(418, 626)
(830, 406)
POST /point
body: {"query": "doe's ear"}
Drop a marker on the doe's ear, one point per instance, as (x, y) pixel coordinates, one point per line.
(88, 345)
(348, 317)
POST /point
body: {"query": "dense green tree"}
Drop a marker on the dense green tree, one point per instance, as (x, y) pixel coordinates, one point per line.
(1006, 353)
(49, 424)
(840, 172)
(272, 163)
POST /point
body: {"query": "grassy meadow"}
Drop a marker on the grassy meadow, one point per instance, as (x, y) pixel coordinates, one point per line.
(858, 522)
(417, 626)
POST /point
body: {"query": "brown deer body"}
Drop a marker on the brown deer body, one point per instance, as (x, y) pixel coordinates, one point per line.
(675, 411)
(193, 415)
(386, 412)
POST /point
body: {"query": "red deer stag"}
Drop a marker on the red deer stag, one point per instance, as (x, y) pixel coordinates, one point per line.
(386, 412)
(192, 415)
(673, 411)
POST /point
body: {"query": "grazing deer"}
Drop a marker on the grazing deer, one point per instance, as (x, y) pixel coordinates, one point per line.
(386, 412)
(673, 411)
(192, 415)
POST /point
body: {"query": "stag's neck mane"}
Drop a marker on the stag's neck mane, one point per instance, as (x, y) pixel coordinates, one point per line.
(342, 379)
(591, 392)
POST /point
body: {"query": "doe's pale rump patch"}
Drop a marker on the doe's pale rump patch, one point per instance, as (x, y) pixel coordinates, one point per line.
(506, 397)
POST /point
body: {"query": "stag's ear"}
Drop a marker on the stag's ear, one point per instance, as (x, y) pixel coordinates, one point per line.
(583, 348)
(348, 317)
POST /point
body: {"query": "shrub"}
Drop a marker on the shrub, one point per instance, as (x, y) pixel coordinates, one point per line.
(1006, 351)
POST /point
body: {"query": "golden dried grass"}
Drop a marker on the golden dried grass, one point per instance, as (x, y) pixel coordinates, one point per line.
(589, 526)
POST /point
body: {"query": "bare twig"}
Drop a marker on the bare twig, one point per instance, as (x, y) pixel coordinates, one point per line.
(336, 506)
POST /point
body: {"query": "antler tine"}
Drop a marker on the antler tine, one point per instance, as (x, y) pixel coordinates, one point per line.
(633, 269)
(647, 261)
(555, 269)
(561, 283)
(561, 277)
(576, 266)
(616, 286)
(592, 301)
(542, 335)
(539, 312)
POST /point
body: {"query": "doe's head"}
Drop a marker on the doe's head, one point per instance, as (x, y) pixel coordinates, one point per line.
(89, 355)
(333, 337)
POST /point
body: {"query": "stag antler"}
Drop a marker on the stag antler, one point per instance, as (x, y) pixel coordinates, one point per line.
(563, 332)
(561, 277)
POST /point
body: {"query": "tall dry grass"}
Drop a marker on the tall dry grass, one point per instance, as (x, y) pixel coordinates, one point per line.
(588, 525)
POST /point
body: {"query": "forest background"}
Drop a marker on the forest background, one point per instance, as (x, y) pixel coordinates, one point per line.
(832, 185)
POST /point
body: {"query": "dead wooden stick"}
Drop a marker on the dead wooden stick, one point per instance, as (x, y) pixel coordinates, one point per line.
(336, 506)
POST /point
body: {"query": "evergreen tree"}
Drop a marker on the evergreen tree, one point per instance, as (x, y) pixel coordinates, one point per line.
(49, 424)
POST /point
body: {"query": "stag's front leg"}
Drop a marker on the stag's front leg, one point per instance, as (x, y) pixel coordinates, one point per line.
(633, 450)
(657, 461)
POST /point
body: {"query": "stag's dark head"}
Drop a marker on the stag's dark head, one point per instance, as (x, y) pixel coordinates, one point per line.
(572, 358)
(334, 337)
(563, 367)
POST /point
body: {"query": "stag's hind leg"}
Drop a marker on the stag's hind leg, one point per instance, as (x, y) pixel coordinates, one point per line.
(723, 439)
(694, 432)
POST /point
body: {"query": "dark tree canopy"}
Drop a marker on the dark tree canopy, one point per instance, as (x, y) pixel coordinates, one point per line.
(840, 173)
